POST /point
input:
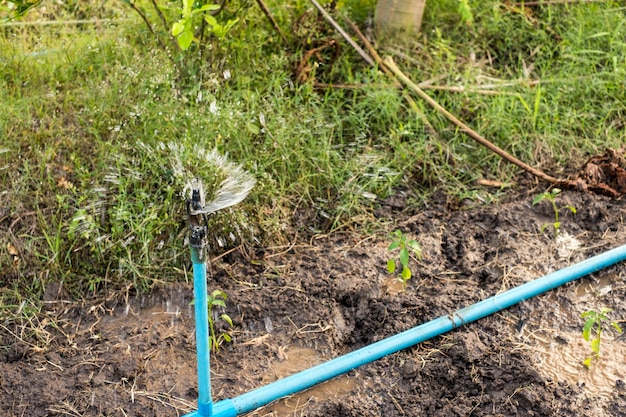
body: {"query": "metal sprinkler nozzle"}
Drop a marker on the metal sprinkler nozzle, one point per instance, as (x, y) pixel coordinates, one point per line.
(197, 219)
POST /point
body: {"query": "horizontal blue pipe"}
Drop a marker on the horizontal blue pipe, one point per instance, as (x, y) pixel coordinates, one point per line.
(325, 371)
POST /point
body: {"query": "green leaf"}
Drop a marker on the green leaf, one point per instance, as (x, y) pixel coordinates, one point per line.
(219, 294)
(227, 319)
(557, 225)
(587, 362)
(616, 327)
(253, 128)
(538, 198)
(210, 20)
(415, 247)
(227, 337)
(572, 209)
(206, 8)
(595, 345)
(217, 302)
(391, 266)
(187, 7)
(219, 30)
(178, 28)
(394, 245)
(184, 40)
(587, 329)
(406, 274)
(404, 256)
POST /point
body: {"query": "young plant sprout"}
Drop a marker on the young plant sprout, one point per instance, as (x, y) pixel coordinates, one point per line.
(595, 324)
(218, 299)
(551, 196)
(405, 245)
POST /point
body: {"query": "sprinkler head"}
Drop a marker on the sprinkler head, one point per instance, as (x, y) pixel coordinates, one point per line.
(197, 218)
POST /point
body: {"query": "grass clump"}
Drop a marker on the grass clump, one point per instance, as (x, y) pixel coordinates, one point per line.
(93, 116)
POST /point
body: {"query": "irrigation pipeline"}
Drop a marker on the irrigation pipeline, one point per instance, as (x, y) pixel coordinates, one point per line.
(338, 366)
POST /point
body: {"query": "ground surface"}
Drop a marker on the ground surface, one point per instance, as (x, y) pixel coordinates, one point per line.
(323, 297)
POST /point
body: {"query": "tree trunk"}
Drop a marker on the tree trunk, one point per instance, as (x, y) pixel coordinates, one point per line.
(398, 17)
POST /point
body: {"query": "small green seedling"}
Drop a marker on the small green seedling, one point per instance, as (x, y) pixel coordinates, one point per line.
(551, 196)
(400, 241)
(217, 299)
(595, 324)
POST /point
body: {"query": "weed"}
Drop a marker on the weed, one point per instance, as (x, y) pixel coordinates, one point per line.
(217, 299)
(551, 196)
(406, 246)
(595, 324)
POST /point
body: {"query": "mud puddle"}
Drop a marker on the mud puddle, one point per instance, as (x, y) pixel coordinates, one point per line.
(296, 359)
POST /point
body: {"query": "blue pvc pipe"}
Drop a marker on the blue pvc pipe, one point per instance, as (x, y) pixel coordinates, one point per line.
(205, 402)
(325, 371)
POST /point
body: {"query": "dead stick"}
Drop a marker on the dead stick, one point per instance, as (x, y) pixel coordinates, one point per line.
(269, 16)
(343, 33)
(473, 134)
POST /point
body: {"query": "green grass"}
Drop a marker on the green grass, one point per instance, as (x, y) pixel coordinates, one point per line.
(89, 195)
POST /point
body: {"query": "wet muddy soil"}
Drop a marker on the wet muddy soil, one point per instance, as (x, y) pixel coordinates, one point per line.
(296, 306)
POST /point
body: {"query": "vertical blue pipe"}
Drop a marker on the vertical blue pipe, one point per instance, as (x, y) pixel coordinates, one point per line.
(205, 403)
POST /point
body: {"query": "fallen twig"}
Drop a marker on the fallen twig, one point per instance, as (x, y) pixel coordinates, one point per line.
(473, 134)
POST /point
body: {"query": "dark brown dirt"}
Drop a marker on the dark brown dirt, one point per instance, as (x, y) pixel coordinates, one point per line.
(328, 296)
